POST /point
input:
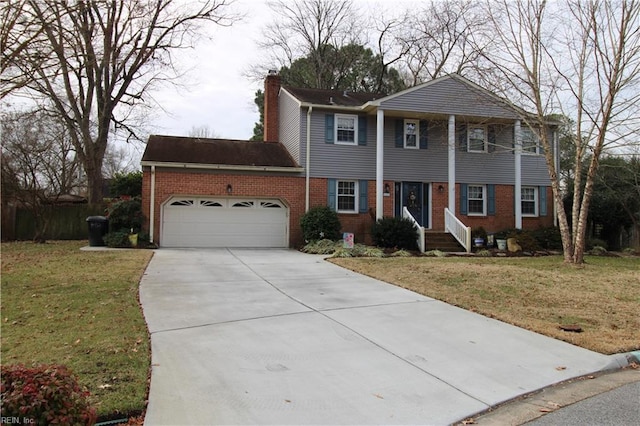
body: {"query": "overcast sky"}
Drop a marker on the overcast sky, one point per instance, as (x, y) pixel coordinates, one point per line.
(216, 93)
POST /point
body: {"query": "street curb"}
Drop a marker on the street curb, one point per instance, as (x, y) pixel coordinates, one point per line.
(622, 360)
(533, 405)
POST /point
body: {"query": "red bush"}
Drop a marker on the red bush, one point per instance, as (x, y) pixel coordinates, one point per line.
(43, 395)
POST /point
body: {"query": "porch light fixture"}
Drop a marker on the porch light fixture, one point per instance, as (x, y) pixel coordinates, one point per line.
(440, 189)
(229, 189)
(387, 190)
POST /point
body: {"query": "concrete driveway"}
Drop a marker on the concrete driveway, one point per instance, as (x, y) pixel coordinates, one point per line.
(242, 336)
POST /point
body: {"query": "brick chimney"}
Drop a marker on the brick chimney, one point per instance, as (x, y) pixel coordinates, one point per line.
(271, 113)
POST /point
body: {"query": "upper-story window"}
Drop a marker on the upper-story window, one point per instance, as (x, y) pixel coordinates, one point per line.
(530, 141)
(477, 139)
(411, 134)
(346, 129)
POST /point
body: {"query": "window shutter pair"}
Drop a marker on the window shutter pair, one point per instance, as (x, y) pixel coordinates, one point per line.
(399, 134)
(329, 129)
(363, 201)
(491, 199)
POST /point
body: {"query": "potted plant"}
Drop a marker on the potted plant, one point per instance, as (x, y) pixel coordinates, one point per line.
(501, 240)
(479, 236)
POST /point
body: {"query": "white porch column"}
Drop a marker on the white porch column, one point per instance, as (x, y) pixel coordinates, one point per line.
(379, 164)
(451, 142)
(518, 177)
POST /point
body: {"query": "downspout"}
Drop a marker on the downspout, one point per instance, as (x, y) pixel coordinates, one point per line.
(307, 165)
(152, 207)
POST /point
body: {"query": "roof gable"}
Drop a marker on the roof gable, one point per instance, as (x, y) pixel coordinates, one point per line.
(451, 94)
(178, 149)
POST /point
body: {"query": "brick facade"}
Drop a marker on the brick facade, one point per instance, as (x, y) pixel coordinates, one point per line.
(291, 190)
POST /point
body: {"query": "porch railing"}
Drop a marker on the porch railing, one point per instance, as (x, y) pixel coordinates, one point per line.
(458, 229)
(421, 242)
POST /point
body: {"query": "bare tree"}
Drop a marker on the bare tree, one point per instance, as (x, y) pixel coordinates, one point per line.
(95, 62)
(203, 131)
(308, 28)
(38, 163)
(585, 58)
(437, 39)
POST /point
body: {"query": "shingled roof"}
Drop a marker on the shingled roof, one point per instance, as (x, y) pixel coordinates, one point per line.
(332, 97)
(178, 149)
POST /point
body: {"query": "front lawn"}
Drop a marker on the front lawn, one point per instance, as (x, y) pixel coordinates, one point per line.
(61, 305)
(540, 294)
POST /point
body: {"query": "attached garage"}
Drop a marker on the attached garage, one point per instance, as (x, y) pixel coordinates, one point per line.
(224, 222)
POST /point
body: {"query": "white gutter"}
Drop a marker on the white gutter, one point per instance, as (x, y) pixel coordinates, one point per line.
(152, 207)
(229, 167)
(308, 161)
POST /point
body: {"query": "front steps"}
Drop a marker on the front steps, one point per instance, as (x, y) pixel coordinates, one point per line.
(442, 241)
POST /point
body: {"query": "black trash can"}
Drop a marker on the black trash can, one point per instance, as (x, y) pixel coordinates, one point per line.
(98, 227)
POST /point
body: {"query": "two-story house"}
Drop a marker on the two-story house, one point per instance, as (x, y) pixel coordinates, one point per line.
(447, 152)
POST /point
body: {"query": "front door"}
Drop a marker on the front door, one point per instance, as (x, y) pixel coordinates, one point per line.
(413, 196)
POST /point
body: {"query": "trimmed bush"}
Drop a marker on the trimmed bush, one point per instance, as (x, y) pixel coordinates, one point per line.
(320, 223)
(395, 232)
(46, 394)
(525, 238)
(117, 239)
(548, 238)
(126, 215)
(126, 184)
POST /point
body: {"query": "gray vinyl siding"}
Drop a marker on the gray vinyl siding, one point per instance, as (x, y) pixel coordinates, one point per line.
(422, 165)
(449, 96)
(290, 117)
(330, 160)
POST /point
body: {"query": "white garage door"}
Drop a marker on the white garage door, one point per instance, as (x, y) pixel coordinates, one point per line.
(224, 222)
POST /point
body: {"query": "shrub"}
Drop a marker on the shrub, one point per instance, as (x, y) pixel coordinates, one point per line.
(46, 394)
(126, 215)
(321, 247)
(479, 232)
(525, 238)
(548, 238)
(117, 239)
(395, 232)
(596, 242)
(126, 184)
(320, 223)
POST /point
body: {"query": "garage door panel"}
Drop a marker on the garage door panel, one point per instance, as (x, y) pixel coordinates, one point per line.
(193, 222)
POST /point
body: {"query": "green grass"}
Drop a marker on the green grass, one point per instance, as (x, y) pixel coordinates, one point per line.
(61, 305)
(540, 294)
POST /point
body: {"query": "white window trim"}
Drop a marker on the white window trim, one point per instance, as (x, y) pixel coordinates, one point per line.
(536, 203)
(535, 136)
(486, 137)
(484, 201)
(404, 134)
(356, 196)
(355, 129)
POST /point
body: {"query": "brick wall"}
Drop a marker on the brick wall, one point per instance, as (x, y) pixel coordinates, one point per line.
(168, 183)
(291, 190)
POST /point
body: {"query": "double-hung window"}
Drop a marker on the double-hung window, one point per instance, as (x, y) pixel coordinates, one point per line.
(411, 134)
(346, 129)
(347, 196)
(477, 139)
(476, 200)
(529, 201)
(530, 141)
